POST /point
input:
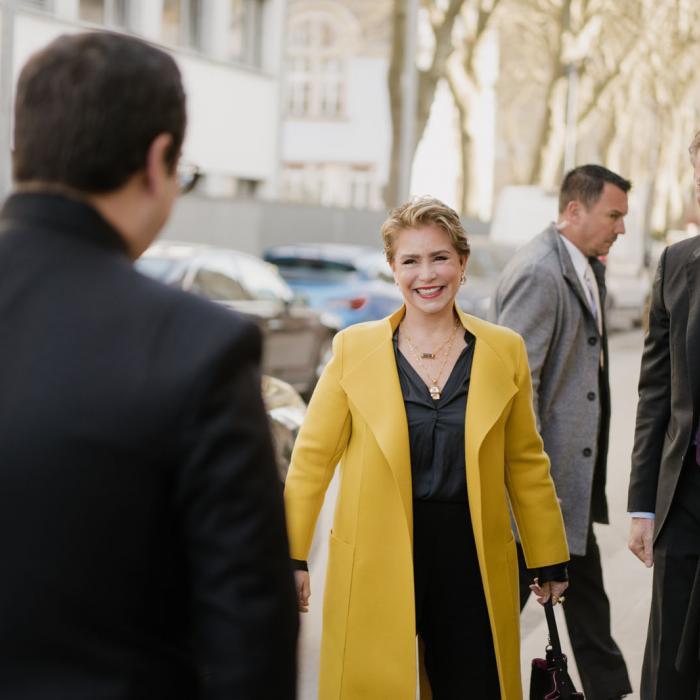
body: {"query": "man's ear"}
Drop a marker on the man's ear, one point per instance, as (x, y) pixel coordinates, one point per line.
(573, 210)
(157, 169)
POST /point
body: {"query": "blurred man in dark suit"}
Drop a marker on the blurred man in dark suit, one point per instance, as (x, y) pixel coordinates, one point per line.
(142, 541)
(664, 493)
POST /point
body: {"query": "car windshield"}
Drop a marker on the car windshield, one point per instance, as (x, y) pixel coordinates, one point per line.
(307, 267)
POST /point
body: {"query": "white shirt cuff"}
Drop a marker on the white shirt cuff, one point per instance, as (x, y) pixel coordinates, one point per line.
(646, 516)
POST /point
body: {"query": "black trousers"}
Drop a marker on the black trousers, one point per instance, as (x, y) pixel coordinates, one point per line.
(587, 611)
(451, 615)
(669, 669)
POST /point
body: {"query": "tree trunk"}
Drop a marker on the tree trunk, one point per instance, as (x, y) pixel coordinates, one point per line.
(548, 127)
(391, 191)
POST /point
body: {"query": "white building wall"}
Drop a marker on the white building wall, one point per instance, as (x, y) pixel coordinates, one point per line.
(233, 128)
(363, 136)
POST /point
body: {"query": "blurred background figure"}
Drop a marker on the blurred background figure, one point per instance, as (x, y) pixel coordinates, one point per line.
(141, 524)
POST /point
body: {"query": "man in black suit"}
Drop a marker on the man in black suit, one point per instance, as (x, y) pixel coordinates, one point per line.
(142, 546)
(664, 493)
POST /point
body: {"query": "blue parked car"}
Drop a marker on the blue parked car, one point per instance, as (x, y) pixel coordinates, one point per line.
(352, 282)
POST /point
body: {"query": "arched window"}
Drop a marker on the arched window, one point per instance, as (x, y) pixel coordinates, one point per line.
(316, 66)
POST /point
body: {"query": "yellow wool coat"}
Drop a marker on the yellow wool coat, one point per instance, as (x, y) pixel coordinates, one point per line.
(357, 417)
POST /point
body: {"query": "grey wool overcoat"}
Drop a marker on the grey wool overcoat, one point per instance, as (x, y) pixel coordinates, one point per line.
(539, 296)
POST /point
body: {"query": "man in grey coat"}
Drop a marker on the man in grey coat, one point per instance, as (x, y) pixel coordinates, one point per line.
(553, 293)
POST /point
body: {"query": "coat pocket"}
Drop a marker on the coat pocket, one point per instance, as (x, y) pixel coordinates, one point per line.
(336, 606)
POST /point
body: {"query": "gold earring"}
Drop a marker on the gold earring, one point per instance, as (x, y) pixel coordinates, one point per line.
(464, 278)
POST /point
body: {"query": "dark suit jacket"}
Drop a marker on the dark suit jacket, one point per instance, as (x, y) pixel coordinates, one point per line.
(142, 545)
(669, 385)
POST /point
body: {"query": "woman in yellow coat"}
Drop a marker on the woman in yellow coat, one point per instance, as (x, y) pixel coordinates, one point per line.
(429, 415)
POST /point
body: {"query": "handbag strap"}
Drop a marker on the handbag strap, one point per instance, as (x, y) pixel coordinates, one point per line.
(552, 626)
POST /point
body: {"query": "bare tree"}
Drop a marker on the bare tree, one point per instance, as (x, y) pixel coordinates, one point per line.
(441, 21)
(466, 85)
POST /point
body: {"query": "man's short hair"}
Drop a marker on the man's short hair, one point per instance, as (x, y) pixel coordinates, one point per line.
(89, 106)
(694, 148)
(585, 184)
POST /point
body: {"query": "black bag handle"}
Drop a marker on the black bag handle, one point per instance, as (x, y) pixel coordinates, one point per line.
(552, 627)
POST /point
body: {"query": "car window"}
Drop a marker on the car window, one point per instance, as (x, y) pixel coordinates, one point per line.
(217, 286)
(293, 267)
(312, 264)
(263, 281)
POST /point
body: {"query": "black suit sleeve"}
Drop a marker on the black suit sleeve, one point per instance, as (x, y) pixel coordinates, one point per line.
(244, 608)
(654, 407)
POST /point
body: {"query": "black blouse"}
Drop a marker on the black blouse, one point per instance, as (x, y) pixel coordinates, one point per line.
(436, 428)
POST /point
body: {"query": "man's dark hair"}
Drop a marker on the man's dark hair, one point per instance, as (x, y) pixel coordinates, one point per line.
(586, 184)
(88, 107)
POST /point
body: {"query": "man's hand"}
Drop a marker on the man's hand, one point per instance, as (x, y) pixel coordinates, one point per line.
(551, 588)
(641, 540)
(303, 586)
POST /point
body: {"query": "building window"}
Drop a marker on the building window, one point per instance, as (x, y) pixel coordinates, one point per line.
(316, 81)
(108, 12)
(245, 31)
(181, 25)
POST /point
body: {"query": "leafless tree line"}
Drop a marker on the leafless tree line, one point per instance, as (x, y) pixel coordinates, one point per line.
(633, 64)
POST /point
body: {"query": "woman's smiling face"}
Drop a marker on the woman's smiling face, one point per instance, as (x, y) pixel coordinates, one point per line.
(427, 268)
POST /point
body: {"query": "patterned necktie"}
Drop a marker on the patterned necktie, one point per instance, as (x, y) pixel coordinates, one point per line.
(591, 288)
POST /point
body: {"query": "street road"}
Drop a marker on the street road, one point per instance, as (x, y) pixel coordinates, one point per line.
(627, 582)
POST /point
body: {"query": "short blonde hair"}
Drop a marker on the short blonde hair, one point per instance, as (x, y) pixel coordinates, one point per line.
(419, 212)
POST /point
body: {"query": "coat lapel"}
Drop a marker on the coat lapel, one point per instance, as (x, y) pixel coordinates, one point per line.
(491, 387)
(692, 268)
(373, 386)
(569, 274)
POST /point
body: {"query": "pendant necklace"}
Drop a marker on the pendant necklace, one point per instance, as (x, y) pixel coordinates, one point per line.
(436, 353)
(434, 388)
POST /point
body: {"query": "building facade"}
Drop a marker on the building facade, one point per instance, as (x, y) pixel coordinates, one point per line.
(229, 52)
(336, 133)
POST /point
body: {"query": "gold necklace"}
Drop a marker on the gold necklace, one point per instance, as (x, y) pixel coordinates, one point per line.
(434, 388)
(433, 355)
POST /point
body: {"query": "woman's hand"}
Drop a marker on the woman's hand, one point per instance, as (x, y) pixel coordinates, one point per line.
(302, 582)
(551, 588)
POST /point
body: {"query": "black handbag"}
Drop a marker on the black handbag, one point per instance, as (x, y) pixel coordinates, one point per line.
(549, 679)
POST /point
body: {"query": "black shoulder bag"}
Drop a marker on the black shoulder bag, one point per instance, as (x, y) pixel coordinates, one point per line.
(550, 679)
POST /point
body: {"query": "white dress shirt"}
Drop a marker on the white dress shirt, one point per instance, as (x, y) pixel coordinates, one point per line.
(583, 268)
